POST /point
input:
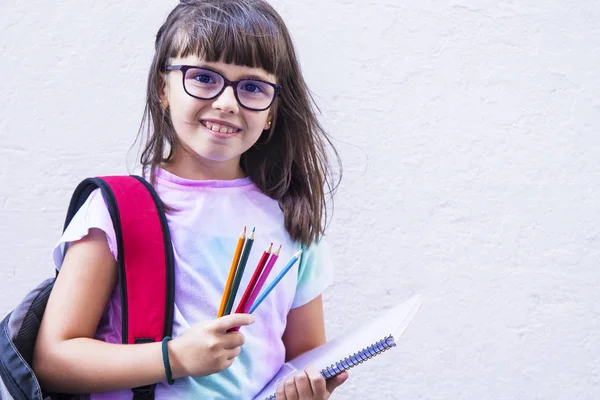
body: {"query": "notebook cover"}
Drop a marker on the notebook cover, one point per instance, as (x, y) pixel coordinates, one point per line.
(392, 322)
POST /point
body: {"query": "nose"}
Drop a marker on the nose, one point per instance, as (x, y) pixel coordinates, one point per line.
(226, 102)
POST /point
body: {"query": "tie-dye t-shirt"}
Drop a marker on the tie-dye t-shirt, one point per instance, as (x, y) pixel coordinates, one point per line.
(205, 228)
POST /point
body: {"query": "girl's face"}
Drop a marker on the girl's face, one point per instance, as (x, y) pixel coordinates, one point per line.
(213, 134)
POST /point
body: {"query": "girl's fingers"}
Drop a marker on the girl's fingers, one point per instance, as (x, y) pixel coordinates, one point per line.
(290, 389)
(317, 383)
(308, 385)
(336, 381)
(233, 340)
(280, 392)
(303, 386)
(232, 353)
(227, 322)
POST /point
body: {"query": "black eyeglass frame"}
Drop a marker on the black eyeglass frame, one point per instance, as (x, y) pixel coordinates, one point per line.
(227, 82)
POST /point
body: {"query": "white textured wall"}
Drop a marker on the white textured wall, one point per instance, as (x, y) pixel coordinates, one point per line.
(469, 133)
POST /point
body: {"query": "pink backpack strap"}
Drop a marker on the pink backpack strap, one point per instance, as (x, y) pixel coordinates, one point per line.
(145, 257)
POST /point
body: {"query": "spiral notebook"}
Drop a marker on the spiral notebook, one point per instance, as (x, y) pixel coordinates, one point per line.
(352, 348)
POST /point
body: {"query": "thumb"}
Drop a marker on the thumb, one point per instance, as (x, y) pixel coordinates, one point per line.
(234, 320)
(336, 381)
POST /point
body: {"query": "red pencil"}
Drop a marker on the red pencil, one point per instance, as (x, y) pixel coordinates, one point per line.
(257, 272)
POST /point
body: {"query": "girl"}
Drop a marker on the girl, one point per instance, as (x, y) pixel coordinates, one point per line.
(232, 141)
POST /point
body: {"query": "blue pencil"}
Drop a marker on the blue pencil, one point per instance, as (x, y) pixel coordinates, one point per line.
(268, 289)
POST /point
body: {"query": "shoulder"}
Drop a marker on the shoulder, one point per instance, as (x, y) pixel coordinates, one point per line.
(93, 213)
(315, 272)
(317, 252)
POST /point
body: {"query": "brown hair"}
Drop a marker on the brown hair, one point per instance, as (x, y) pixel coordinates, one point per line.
(289, 163)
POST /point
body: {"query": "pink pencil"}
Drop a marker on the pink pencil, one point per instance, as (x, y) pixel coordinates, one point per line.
(261, 281)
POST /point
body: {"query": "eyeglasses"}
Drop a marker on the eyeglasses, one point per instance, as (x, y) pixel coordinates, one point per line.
(206, 84)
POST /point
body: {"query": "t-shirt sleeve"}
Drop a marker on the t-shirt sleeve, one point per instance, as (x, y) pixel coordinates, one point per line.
(315, 273)
(92, 214)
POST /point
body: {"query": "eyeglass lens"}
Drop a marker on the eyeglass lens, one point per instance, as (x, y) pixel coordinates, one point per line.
(206, 84)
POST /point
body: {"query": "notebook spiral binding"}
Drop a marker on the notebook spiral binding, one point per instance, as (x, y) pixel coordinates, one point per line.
(358, 358)
(355, 359)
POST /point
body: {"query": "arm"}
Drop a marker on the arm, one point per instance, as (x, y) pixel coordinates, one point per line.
(68, 359)
(305, 329)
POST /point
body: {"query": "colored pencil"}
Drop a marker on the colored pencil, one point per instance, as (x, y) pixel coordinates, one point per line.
(249, 294)
(259, 268)
(261, 280)
(239, 273)
(280, 276)
(232, 269)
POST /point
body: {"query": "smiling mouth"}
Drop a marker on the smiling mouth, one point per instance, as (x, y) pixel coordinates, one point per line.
(220, 128)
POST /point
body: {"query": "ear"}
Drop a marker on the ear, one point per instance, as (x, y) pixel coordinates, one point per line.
(269, 122)
(163, 91)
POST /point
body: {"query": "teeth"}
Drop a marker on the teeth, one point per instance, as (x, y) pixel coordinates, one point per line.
(219, 128)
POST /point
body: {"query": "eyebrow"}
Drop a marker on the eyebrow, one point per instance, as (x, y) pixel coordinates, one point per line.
(245, 76)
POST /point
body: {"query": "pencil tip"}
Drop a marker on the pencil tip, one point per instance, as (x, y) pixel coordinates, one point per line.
(253, 229)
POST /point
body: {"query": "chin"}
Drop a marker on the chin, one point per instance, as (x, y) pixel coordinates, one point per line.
(213, 150)
(215, 154)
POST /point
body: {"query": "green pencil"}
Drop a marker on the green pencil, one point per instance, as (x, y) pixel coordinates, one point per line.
(239, 273)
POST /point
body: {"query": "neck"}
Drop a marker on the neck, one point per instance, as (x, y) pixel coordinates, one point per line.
(194, 168)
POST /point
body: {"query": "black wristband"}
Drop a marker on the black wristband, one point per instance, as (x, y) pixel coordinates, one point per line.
(167, 364)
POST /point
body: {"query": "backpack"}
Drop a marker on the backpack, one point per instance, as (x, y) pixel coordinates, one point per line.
(146, 280)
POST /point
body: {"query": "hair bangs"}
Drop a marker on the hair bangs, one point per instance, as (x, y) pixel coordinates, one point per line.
(240, 36)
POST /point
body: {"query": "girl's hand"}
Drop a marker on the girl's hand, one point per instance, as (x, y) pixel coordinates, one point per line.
(309, 385)
(207, 347)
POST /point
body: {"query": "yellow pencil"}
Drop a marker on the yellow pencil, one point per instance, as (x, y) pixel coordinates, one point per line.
(234, 264)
